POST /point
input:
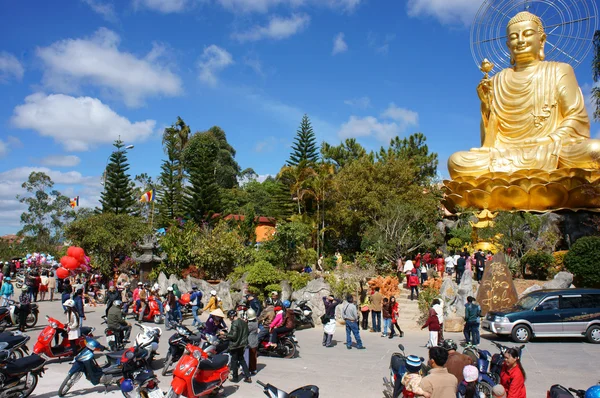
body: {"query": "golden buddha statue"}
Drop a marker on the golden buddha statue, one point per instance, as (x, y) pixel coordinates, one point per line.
(534, 131)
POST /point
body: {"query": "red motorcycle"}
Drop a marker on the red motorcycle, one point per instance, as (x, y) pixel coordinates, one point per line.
(151, 313)
(195, 375)
(57, 331)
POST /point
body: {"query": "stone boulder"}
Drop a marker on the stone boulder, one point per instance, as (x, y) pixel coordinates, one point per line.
(454, 324)
(313, 293)
(286, 291)
(163, 282)
(465, 289)
(562, 280)
(448, 293)
(497, 289)
(532, 288)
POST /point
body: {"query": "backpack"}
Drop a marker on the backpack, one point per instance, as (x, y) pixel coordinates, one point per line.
(290, 319)
(413, 280)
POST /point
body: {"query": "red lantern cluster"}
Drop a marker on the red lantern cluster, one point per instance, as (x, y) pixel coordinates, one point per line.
(73, 261)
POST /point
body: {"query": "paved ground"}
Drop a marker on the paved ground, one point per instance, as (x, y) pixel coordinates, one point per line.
(340, 372)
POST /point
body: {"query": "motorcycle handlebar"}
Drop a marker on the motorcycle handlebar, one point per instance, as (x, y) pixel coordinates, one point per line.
(260, 383)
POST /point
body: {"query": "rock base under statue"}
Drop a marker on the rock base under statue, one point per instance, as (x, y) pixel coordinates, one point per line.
(526, 190)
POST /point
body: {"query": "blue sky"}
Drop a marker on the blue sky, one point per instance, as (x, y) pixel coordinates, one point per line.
(76, 74)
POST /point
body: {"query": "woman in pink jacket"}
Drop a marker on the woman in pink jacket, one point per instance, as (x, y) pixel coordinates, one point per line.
(277, 322)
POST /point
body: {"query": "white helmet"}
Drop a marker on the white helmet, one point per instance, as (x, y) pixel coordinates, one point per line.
(213, 292)
(156, 286)
(169, 289)
(251, 314)
(69, 303)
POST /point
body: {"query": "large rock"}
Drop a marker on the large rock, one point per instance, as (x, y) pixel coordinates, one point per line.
(497, 289)
(448, 293)
(163, 282)
(562, 280)
(465, 289)
(313, 293)
(532, 288)
(454, 324)
(286, 291)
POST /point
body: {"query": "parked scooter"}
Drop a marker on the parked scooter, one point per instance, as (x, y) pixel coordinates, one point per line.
(558, 391)
(271, 391)
(151, 313)
(9, 316)
(489, 365)
(198, 376)
(55, 331)
(19, 377)
(143, 385)
(149, 338)
(16, 343)
(394, 385)
(114, 338)
(177, 343)
(303, 314)
(286, 346)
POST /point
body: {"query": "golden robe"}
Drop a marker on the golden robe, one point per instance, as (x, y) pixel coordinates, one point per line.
(544, 102)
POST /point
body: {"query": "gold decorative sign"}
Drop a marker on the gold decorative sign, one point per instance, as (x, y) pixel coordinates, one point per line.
(497, 289)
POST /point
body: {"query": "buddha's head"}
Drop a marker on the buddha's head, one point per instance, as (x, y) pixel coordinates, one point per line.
(525, 38)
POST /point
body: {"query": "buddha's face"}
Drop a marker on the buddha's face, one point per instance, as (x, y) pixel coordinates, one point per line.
(525, 41)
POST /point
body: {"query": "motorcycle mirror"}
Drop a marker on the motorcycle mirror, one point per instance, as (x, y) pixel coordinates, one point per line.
(422, 359)
(401, 347)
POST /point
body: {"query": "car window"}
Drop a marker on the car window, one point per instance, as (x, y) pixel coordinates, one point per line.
(590, 301)
(570, 302)
(549, 304)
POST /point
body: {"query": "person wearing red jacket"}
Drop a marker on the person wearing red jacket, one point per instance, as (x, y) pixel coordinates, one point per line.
(413, 284)
(433, 324)
(512, 376)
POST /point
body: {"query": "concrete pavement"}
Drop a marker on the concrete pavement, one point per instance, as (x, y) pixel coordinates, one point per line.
(341, 372)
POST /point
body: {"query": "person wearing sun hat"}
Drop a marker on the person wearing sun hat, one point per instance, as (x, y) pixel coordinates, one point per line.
(215, 322)
(412, 378)
(468, 387)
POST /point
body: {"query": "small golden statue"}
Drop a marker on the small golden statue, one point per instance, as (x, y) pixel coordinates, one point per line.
(536, 152)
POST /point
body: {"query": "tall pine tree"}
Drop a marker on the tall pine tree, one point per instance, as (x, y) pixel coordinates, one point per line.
(200, 158)
(304, 149)
(596, 75)
(117, 196)
(172, 176)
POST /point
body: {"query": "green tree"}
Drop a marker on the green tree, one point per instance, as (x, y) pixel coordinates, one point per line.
(344, 153)
(226, 169)
(304, 148)
(48, 211)
(107, 236)
(596, 75)
(172, 176)
(297, 179)
(142, 184)
(177, 244)
(582, 261)
(415, 149)
(289, 245)
(117, 196)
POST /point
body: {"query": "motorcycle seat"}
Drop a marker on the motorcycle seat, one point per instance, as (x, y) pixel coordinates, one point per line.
(3, 310)
(305, 392)
(13, 340)
(195, 339)
(115, 354)
(85, 330)
(24, 365)
(216, 362)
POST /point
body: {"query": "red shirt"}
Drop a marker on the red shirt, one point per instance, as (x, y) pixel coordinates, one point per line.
(513, 382)
(418, 260)
(440, 264)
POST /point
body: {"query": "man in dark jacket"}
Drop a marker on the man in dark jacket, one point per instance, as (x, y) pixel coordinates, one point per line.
(254, 304)
(116, 322)
(78, 299)
(238, 337)
(112, 295)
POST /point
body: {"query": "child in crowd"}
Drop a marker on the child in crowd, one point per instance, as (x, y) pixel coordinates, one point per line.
(412, 378)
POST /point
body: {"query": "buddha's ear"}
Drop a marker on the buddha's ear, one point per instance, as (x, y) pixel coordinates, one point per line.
(542, 44)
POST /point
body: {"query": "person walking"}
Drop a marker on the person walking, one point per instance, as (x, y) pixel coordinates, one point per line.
(376, 300)
(7, 290)
(512, 375)
(394, 310)
(24, 309)
(433, 325)
(195, 301)
(472, 317)
(78, 299)
(461, 264)
(213, 302)
(43, 285)
(413, 284)
(364, 310)
(238, 337)
(73, 324)
(329, 327)
(350, 315)
(438, 307)
(252, 340)
(439, 383)
(51, 284)
(387, 317)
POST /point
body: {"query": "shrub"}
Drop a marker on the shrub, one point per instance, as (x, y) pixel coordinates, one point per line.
(559, 263)
(582, 261)
(426, 296)
(388, 285)
(514, 266)
(455, 244)
(537, 262)
(298, 280)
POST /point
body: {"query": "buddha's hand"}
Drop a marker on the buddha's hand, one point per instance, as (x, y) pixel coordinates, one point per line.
(484, 91)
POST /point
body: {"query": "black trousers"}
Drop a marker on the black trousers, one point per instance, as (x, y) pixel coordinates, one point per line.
(237, 359)
(365, 320)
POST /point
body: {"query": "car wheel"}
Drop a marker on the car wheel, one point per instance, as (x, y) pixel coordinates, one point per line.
(593, 334)
(521, 334)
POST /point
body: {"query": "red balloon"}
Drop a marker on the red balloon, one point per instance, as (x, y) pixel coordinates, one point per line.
(185, 298)
(77, 253)
(62, 273)
(69, 262)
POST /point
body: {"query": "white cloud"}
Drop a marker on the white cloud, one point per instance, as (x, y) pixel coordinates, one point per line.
(213, 60)
(394, 121)
(77, 123)
(278, 28)
(266, 145)
(264, 6)
(107, 10)
(14, 142)
(361, 103)
(3, 148)
(20, 174)
(446, 11)
(98, 61)
(381, 46)
(10, 67)
(255, 64)
(164, 6)
(61, 160)
(339, 45)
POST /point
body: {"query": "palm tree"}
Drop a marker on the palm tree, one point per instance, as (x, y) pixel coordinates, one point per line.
(320, 185)
(596, 75)
(296, 178)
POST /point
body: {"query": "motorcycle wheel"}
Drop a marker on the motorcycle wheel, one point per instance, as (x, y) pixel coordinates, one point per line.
(288, 348)
(68, 383)
(171, 394)
(100, 297)
(157, 319)
(312, 323)
(168, 361)
(19, 285)
(485, 388)
(31, 320)
(30, 385)
(17, 353)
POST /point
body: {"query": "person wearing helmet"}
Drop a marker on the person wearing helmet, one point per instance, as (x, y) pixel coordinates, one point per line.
(7, 291)
(593, 392)
(252, 340)
(512, 375)
(195, 302)
(238, 337)
(170, 307)
(456, 361)
(274, 300)
(116, 321)
(112, 295)
(214, 302)
(73, 324)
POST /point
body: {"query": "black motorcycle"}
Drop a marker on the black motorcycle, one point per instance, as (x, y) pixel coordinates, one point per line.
(10, 316)
(271, 391)
(16, 343)
(19, 377)
(303, 314)
(177, 343)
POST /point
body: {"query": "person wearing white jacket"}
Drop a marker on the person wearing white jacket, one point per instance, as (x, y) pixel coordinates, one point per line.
(438, 307)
